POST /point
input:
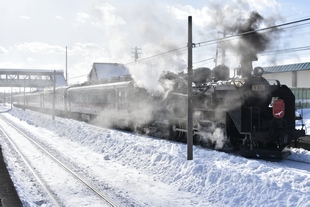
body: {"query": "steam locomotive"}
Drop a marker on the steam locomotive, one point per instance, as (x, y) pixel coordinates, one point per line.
(246, 112)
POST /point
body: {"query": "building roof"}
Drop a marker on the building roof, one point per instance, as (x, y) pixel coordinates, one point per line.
(107, 70)
(29, 71)
(287, 68)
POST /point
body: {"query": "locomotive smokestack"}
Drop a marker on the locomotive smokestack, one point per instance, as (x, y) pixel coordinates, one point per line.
(246, 65)
(251, 43)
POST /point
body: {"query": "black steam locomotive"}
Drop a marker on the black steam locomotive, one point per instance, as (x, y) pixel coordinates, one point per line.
(246, 112)
(250, 114)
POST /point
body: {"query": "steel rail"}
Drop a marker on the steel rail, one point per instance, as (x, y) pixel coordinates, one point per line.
(77, 176)
(26, 161)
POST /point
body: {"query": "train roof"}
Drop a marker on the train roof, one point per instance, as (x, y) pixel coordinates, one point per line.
(49, 89)
(99, 86)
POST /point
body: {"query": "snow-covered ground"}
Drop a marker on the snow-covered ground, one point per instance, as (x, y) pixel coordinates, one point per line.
(154, 172)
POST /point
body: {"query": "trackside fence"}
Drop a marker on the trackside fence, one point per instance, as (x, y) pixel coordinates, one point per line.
(302, 97)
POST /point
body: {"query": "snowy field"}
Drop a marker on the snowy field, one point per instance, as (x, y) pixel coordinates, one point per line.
(154, 172)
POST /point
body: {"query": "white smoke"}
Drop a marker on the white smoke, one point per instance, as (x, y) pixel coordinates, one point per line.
(213, 136)
(147, 72)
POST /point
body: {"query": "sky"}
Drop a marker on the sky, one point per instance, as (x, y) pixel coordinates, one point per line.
(35, 33)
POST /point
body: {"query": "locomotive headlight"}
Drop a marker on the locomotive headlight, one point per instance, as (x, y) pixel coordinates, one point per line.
(258, 71)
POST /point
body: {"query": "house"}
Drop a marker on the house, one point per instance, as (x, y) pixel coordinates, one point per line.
(292, 75)
(102, 71)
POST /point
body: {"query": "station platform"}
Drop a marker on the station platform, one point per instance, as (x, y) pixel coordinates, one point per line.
(8, 194)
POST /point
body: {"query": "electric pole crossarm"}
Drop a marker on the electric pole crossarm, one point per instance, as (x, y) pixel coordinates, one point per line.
(136, 53)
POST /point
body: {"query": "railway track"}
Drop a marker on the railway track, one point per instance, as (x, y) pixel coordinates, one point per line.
(14, 135)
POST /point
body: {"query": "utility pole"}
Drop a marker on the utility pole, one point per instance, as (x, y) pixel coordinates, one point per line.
(216, 55)
(223, 49)
(66, 65)
(136, 53)
(54, 95)
(190, 92)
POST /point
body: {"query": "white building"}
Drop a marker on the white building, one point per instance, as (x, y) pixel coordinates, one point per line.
(292, 75)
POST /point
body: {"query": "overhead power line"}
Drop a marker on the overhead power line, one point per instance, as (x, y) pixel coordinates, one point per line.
(158, 55)
(287, 50)
(270, 52)
(136, 53)
(79, 76)
(250, 32)
(205, 60)
(227, 38)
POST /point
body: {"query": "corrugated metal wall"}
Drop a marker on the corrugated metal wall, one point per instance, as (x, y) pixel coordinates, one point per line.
(302, 97)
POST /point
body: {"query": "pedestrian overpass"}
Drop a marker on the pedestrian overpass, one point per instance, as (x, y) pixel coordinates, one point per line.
(33, 78)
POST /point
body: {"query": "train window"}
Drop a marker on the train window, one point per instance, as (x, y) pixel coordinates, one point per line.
(122, 93)
(96, 98)
(101, 98)
(83, 98)
(108, 98)
(89, 98)
(73, 97)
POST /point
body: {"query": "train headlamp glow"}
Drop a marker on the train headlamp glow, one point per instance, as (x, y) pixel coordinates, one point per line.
(258, 71)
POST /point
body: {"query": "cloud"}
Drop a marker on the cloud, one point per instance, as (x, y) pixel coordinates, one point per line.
(81, 70)
(3, 51)
(104, 15)
(12, 65)
(90, 51)
(38, 47)
(25, 17)
(263, 5)
(201, 17)
(59, 17)
(80, 56)
(101, 16)
(82, 17)
(30, 60)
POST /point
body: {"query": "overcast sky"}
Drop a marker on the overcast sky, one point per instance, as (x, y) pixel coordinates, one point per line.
(35, 33)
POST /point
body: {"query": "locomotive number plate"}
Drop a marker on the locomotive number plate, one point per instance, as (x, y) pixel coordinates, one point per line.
(258, 87)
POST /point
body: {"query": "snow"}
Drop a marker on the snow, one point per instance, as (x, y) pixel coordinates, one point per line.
(305, 114)
(144, 171)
